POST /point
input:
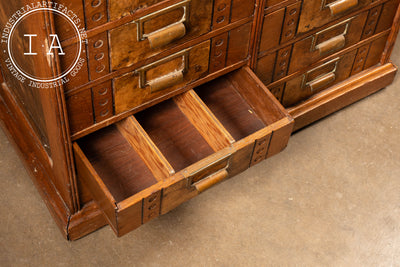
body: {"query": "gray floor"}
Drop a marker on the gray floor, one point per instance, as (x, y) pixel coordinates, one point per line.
(332, 198)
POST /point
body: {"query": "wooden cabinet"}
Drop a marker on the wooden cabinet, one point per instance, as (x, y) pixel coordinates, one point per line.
(174, 96)
(326, 46)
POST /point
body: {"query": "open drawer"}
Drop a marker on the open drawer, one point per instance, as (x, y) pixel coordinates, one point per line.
(153, 161)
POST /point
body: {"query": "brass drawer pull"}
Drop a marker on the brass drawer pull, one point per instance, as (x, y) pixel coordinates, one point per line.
(340, 6)
(211, 180)
(333, 44)
(321, 81)
(168, 80)
(167, 34)
(211, 171)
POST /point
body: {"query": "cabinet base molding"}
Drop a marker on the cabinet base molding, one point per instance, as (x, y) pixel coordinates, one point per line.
(89, 219)
(343, 94)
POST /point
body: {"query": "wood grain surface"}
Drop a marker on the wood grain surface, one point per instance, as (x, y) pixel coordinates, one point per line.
(177, 139)
(128, 94)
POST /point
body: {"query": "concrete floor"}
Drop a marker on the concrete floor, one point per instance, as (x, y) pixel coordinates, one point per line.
(332, 198)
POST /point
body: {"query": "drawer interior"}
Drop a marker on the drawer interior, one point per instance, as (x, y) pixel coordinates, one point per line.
(173, 133)
(147, 148)
(241, 106)
(120, 167)
(152, 145)
(187, 143)
(230, 108)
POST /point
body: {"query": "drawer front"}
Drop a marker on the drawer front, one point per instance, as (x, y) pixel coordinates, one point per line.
(161, 77)
(279, 27)
(208, 172)
(316, 13)
(91, 106)
(318, 79)
(196, 179)
(328, 73)
(138, 40)
(326, 42)
(80, 111)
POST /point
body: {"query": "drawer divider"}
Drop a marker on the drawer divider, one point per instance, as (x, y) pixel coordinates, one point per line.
(144, 146)
(204, 120)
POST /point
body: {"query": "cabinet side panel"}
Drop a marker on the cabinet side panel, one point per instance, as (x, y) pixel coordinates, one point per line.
(28, 97)
(41, 102)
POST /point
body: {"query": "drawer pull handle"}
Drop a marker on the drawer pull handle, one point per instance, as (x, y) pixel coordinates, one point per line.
(326, 77)
(211, 180)
(169, 33)
(321, 81)
(340, 6)
(331, 45)
(168, 80)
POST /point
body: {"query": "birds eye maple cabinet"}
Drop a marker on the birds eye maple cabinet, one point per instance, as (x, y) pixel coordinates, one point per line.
(172, 97)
